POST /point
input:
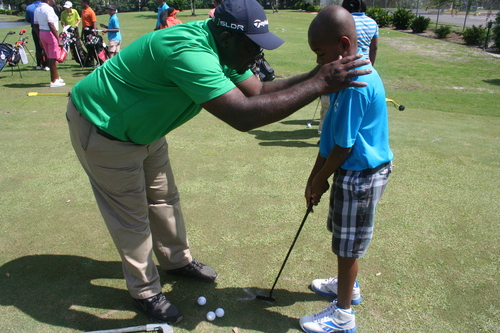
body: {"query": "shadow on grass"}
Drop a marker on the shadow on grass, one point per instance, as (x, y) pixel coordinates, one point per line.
(72, 292)
(494, 81)
(23, 85)
(295, 138)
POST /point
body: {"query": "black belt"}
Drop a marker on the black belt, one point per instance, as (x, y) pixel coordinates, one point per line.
(108, 136)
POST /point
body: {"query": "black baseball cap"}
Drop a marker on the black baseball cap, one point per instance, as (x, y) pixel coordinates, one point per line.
(247, 17)
(111, 7)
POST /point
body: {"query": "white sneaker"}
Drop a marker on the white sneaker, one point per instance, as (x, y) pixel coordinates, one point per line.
(46, 69)
(328, 287)
(57, 84)
(38, 68)
(60, 80)
(331, 319)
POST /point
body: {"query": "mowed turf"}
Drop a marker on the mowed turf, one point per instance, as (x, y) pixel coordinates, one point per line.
(433, 265)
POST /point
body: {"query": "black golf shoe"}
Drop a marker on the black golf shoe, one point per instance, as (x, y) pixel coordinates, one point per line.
(159, 309)
(195, 270)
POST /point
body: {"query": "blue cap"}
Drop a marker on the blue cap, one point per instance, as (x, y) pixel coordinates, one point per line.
(247, 17)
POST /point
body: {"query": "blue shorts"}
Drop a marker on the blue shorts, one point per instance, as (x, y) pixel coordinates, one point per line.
(353, 199)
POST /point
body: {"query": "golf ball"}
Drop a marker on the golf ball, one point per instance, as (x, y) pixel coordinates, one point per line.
(308, 125)
(202, 300)
(219, 312)
(210, 315)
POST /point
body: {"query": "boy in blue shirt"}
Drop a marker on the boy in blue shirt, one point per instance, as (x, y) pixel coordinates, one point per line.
(113, 30)
(354, 147)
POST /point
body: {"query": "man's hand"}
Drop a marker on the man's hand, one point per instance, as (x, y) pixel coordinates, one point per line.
(337, 74)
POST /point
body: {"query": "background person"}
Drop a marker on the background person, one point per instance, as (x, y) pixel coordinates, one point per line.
(46, 24)
(162, 5)
(113, 31)
(89, 21)
(169, 18)
(30, 13)
(70, 17)
(119, 114)
(216, 4)
(354, 147)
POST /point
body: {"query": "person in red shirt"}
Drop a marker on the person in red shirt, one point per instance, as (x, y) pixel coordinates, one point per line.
(169, 18)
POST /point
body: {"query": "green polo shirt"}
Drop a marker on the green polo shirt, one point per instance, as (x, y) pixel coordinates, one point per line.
(69, 19)
(155, 84)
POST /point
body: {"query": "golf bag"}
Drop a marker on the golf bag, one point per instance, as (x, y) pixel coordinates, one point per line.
(18, 52)
(71, 43)
(262, 69)
(6, 51)
(96, 49)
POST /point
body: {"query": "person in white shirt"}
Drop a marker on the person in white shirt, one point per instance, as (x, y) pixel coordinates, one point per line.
(46, 26)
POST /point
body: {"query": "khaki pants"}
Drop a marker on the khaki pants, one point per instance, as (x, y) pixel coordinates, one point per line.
(136, 193)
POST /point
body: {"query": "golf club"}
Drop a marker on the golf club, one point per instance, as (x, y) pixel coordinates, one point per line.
(160, 327)
(270, 297)
(31, 94)
(399, 106)
(314, 116)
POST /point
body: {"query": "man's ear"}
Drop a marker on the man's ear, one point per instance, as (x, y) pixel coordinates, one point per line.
(224, 38)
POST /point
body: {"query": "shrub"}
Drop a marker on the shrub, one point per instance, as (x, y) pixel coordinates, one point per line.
(474, 35)
(402, 18)
(298, 5)
(496, 33)
(145, 9)
(314, 9)
(443, 31)
(380, 15)
(420, 24)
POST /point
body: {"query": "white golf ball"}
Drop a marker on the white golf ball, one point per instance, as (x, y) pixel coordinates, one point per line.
(309, 125)
(210, 315)
(202, 300)
(219, 312)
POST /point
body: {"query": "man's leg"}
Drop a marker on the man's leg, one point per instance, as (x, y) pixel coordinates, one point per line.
(170, 239)
(117, 178)
(167, 223)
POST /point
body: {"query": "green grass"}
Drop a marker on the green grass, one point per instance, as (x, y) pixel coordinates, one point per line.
(437, 230)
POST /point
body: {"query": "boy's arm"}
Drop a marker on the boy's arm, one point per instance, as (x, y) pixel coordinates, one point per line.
(319, 181)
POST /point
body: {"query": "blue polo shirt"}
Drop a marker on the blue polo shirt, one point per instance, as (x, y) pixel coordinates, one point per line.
(114, 24)
(358, 118)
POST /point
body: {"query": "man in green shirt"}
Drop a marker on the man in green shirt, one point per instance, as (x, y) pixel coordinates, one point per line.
(119, 115)
(70, 16)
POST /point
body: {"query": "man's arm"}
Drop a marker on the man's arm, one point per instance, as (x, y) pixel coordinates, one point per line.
(253, 104)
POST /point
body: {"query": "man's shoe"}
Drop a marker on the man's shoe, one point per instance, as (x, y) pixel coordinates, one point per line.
(331, 319)
(195, 270)
(328, 287)
(158, 308)
(38, 68)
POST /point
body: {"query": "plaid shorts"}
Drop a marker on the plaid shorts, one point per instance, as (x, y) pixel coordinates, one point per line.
(351, 216)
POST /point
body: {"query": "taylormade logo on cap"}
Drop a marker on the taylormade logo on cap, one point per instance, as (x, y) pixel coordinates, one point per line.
(259, 23)
(248, 17)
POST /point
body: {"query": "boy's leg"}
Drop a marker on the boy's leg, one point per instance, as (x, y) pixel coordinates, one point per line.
(347, 271)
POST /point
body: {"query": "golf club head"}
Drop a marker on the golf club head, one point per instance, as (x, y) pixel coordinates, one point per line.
(266, 298)
(401, 108)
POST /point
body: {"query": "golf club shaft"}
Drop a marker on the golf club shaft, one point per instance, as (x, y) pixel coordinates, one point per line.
(309, 209)
(123, 330)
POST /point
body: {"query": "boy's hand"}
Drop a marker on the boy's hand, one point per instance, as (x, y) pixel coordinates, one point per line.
(318, 188)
